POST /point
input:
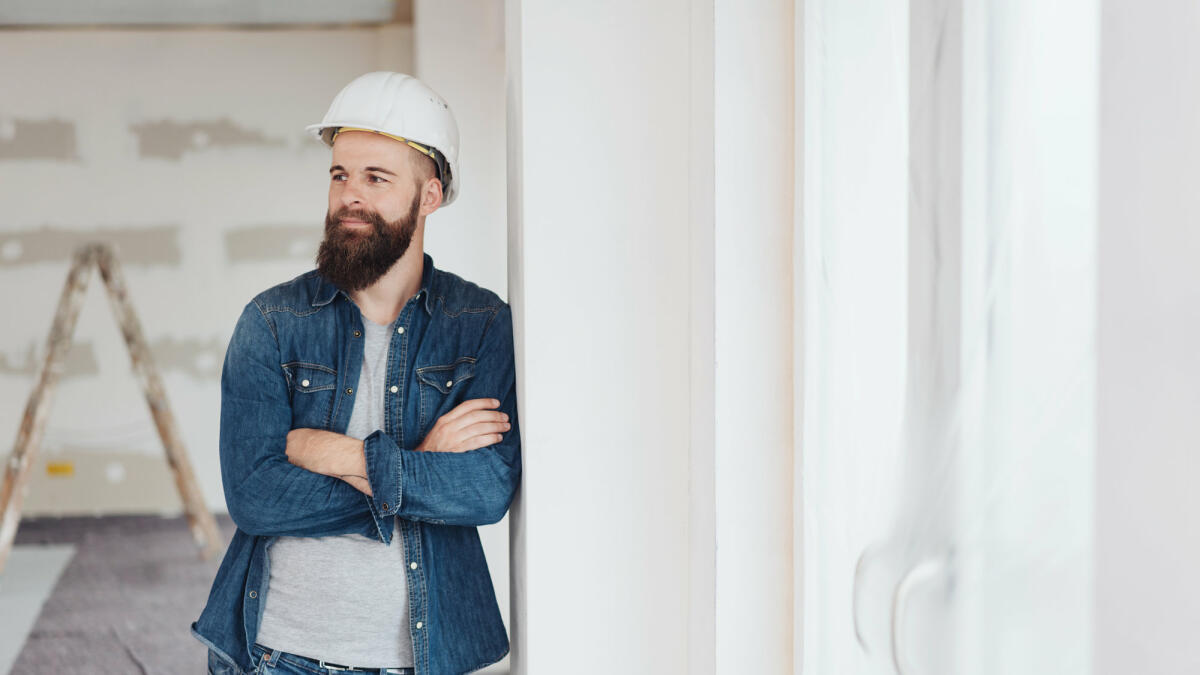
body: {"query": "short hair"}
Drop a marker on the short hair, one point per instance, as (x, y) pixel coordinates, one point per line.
(423, 167)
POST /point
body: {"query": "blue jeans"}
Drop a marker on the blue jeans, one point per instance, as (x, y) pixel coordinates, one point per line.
(274, 662)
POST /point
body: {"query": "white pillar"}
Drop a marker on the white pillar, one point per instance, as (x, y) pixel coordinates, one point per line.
(1147, 466)
(599, 280)
(651, 174)
(754, 82)
(702, 526)
(651, 250)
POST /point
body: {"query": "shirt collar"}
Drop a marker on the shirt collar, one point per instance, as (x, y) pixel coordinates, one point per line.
(327, 291)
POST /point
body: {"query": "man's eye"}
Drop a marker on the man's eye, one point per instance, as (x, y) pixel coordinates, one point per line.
(378, 179)
(338, 177)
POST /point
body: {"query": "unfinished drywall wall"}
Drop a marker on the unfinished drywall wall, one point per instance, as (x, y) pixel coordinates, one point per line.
(187, 150)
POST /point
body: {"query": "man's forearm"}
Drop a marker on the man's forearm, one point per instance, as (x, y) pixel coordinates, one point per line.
(331, 454)
(449, 488)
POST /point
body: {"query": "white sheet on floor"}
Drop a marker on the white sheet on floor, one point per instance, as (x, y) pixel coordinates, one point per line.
(26, 583)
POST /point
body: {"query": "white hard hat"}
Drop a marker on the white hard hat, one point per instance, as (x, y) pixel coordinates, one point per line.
(405, 108)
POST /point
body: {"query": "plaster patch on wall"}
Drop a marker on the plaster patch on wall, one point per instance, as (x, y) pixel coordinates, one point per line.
(273, 242)
(152, 245)
(167, 139)
(199, 357)
(37, 139)
(80, 362)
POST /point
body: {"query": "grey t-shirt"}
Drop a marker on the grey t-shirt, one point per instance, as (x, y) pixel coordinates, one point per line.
(325, 600)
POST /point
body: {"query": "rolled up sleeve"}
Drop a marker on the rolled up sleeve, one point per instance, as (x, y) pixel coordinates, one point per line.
(267, 495)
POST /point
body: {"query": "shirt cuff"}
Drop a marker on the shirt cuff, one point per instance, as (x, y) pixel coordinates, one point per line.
(383, 474)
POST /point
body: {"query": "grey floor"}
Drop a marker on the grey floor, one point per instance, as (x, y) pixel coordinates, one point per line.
(126, 600)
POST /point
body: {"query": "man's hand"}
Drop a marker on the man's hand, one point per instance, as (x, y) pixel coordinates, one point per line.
(471, 425)
(330, 454)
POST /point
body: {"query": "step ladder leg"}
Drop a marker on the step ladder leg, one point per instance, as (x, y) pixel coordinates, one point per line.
(37, 409)
(200, 519)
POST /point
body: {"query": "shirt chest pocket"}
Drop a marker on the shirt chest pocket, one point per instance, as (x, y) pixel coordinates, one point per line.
(442, 388)
(312, 388)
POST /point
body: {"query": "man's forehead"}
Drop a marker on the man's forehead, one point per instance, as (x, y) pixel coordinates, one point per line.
(366, 141)
(357, 149)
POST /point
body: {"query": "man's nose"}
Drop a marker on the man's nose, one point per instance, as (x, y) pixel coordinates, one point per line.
(351, 194)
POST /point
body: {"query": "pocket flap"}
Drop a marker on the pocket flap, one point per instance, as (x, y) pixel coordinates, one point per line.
(448, 377)
(309, 377)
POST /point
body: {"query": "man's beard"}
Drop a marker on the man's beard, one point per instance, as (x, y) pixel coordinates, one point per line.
(353, 260)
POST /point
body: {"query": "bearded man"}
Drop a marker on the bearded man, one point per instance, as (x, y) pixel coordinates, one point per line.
(368, 425)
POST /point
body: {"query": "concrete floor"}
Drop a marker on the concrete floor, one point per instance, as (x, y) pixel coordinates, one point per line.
(125, 602)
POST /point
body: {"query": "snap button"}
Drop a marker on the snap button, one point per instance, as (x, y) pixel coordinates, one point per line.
(349, 390)
(303, 383)
(394, 389)
(449, 383)
(385, 507)
(419, 625)
(358, 333)
(253, 594)
(412, 565)
(400, 330)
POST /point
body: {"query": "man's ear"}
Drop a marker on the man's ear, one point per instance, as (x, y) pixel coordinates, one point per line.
(431, 196)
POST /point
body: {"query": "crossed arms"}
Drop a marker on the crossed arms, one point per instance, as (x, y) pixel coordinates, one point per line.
(471, 425)
(307, 482)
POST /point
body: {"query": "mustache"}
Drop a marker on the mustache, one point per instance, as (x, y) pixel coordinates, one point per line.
(371, 217)
(355, 260)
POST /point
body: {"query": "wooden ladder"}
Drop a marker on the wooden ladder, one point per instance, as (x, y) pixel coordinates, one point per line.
(33, 425)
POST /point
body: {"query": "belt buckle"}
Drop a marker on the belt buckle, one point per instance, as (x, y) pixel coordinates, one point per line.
(339, 667)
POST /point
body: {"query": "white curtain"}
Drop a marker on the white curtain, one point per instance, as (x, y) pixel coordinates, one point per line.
(948, 526)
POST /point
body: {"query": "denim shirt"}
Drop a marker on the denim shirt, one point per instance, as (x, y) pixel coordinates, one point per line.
(293, 362)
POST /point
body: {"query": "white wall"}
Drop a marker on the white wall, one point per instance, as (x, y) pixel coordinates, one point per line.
(1147, 465)
(222, 200)
(459, 51)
